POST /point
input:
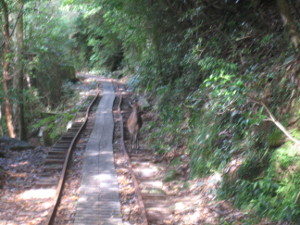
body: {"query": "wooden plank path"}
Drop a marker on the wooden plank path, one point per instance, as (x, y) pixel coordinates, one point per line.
(98, 202)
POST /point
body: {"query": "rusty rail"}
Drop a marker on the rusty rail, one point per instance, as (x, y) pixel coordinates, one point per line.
(62, 178)
(129, 164)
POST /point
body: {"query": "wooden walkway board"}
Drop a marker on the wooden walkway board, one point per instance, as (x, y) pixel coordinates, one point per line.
(98, 202)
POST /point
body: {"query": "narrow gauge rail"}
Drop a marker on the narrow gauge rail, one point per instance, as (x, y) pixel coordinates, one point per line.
(127, 158)
(59, 157)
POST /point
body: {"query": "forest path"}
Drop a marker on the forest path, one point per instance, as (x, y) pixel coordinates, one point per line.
(99, 194)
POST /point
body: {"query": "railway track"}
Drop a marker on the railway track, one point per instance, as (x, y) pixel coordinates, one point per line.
(155, 207)
(151, 206)
(57, 160)
(138, 194)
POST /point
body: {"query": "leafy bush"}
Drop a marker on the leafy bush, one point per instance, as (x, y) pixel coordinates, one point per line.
(54, 126)
(274, 193)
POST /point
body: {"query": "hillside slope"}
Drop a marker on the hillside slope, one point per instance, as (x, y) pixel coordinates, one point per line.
(223, 81)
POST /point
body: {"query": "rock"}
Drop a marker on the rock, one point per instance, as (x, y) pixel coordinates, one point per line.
(14, 144)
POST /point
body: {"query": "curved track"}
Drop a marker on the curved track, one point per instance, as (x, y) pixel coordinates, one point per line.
(75, 133)
(59, 158)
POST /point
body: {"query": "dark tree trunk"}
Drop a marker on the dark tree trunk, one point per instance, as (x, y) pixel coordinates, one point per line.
(6, 77)
(19, 75)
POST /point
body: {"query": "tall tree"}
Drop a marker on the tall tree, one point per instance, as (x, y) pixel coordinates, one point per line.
(5, 64)
(19, 76)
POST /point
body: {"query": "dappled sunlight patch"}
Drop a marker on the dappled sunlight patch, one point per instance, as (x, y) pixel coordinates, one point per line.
(286, 158)
(198, 204)
(287, 150)
(37, 194)
(87, 93)
(23, 163)
(233, 167)
(180, 206)
(147, 170)
(16, 175)
(154, 184)
(46, 205)
(214, 180)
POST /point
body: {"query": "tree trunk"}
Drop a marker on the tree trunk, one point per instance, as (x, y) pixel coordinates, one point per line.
(6, 77)
(19, 75)
(289, 22)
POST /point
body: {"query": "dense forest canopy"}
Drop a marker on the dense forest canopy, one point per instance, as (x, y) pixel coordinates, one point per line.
(222, 75)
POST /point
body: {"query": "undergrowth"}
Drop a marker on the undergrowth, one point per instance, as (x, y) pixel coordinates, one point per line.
(54, 122)
(218, 118)
(211, 68)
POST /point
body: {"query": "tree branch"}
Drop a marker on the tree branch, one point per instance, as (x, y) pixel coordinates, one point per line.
(276, 122)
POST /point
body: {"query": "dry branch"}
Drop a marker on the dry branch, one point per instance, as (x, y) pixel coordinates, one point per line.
(276, 122)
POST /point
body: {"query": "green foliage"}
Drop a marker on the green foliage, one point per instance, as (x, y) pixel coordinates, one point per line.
(204, 64)
(275, 138)
(46, 59)
(201, 143)
(54, 125)
(50, 46)
(273, 194)
(284, 158)
(170, 176)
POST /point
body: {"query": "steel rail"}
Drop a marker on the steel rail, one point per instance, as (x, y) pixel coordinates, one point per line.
(59, 189)
(129, 164)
